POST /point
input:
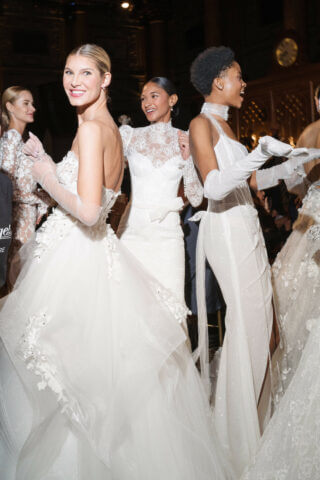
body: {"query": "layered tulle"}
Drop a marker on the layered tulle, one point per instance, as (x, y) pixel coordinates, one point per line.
(106, 381)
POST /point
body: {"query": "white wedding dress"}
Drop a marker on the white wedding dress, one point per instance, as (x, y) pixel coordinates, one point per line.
(290, 446)
(231, 239)
(96, 381)
(296, 278)
(151, 226)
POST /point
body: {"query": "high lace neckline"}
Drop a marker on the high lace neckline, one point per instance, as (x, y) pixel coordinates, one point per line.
(215, 109)
(161, 126)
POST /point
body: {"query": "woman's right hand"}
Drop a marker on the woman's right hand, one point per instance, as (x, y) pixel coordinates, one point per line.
(274, 148)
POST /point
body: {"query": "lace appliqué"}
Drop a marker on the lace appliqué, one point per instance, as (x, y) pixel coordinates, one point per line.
(178, 309)
(290, 447)
(296, 279)
(314, 233)
(52, 231)
(27, 205)
(193, 188)
(67, 171)
(35, 358)
(112, 252)
(158, 142)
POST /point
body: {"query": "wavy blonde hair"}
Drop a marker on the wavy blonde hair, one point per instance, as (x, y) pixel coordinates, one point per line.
(11, 94)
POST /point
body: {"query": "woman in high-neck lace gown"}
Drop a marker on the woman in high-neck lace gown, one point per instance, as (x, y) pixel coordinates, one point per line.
(231, 239)
(158, 158)
(96, 380)
(28, 206)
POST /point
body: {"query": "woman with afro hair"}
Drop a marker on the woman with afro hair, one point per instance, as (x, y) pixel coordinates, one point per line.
(231, 239)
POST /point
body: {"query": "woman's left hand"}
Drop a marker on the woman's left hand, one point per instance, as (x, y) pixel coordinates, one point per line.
(41, 168)
(33, 147)
(183, 139)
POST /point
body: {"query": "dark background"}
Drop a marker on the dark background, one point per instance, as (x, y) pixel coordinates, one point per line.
(162, 38)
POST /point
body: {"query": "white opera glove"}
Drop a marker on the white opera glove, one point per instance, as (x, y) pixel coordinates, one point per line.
(269, 177)
(34, 148)
(44, 173)
(219, 183)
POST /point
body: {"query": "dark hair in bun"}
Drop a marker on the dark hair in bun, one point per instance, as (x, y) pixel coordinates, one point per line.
(168, 87)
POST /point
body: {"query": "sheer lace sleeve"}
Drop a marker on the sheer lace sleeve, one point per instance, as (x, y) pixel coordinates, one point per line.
(10, 144)
(24, 182)
(126, 133)
(193, 188)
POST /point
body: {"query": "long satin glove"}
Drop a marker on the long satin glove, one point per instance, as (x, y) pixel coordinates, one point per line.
(219, 183)
(269, 177)
(44, 173)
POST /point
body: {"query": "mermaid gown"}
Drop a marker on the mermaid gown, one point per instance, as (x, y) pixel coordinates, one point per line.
(231, 239)
(96, 380)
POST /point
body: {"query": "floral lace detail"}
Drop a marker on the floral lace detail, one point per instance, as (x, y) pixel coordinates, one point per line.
(112, 252)
(67, 171)
(193, 188)
(296, 281)
(52, 231)
(314, 233)
(35, 358)
(311, 203)
(10, 144)
(61, 222)
(28, 206)
(178, 309)
(290, 447)
(159, 143)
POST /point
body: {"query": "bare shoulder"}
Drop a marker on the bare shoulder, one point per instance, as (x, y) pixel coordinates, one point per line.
(199, 123)
(90, 129)
(202, 130)
(106, 132)
(309, 135)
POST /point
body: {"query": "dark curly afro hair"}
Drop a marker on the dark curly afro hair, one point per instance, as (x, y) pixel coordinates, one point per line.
(209, 65)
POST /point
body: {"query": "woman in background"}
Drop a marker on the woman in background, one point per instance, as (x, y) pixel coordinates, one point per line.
(159, 158)
(28, 207)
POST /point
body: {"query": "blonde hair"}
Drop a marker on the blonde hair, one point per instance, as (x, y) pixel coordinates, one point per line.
(11, 94)
(97, 54)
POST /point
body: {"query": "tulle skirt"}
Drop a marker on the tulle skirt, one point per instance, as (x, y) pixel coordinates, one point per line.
(290, 447)
(96, 378)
